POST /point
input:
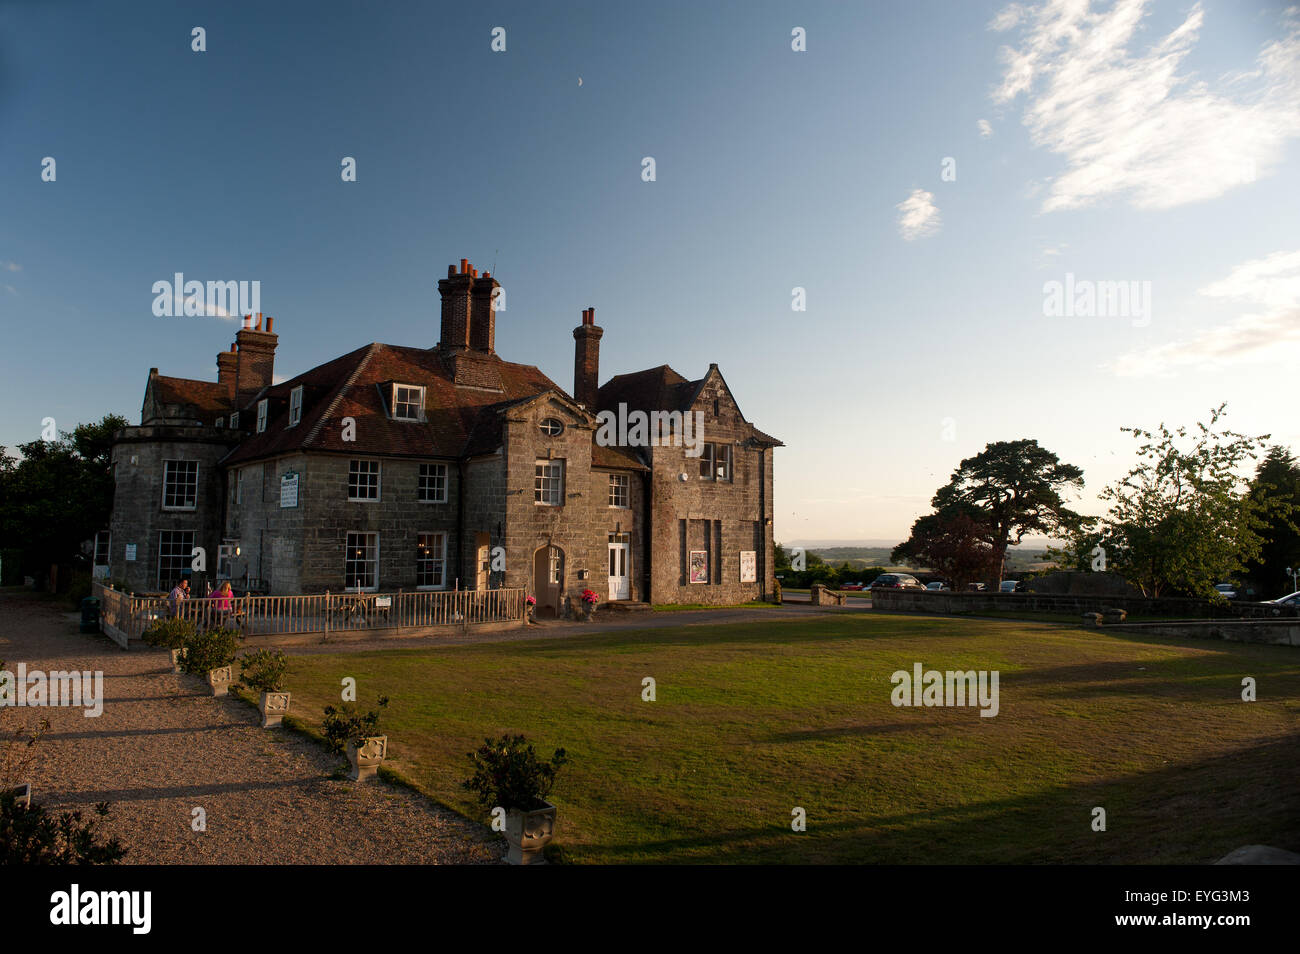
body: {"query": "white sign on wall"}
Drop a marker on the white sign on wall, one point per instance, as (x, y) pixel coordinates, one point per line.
(289, 489)
(748, 566)
(130, 552)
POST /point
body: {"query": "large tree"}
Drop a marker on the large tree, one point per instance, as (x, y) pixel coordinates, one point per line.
(1016, 487)
(1183, 519)
(956, 543)
(1277, 488)
(58, 494)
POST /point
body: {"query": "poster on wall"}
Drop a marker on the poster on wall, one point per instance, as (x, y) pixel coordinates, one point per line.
(748, 566)
(289, 490)
(699, 564)
(130, 552)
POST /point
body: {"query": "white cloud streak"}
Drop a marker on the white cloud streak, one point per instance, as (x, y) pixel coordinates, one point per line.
(918, 216)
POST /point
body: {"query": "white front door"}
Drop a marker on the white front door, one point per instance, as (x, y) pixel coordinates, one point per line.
(619, 584)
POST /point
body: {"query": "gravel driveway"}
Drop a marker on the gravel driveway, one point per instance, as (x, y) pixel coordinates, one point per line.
(162, 748)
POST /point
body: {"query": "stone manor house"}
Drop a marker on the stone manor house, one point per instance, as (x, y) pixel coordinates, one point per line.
(401, 468)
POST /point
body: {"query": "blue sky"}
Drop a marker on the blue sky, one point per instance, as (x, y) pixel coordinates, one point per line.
(1128, 141)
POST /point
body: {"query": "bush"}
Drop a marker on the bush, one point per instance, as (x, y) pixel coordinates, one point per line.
(508, 774)
(263, 670)
(345, 723)
(79, 587)
(31, 836)
(204, 652)
(169, 633)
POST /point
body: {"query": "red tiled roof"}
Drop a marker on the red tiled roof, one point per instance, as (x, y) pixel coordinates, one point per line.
(459, 419)
(209, 398)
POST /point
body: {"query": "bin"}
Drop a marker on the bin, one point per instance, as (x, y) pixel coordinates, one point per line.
(90, 615)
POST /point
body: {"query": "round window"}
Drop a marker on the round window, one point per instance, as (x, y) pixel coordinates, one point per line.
(552, 426)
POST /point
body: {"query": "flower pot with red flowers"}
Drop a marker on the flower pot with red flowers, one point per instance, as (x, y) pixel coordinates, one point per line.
(589, 601)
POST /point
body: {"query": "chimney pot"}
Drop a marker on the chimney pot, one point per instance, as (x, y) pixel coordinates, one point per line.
(464, 265)
(269, 319)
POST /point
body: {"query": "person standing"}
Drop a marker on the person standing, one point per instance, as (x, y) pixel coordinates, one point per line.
(179, 593)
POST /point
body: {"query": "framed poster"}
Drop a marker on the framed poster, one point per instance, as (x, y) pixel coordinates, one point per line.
(699, 564)
(289, 489)
(748, 566)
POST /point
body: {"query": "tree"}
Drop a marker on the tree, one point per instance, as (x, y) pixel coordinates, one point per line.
(59, 494)
(1276, 488)
(955, 543)
(1016, 488)
(1183, 519)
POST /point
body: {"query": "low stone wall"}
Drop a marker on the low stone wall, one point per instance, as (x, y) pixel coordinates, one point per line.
(1235, 630)
(819, 595)
(945, 601)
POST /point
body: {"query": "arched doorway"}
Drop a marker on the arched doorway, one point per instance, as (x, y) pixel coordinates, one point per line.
(548, 580)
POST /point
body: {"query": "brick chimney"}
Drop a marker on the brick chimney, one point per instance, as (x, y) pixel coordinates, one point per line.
(455, 291)
(586, 360)
(254, 358)
(483, 314)
(227, 370)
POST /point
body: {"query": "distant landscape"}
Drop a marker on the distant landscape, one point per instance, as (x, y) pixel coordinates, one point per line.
(875, 553)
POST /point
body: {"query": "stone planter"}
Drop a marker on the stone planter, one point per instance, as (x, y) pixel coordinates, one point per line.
(1091, 619)
(366, 758)
(219, 680)
(273, 706)
(528, 833)
(22, 794)
(1115, 615)
(587, 611)
(176, 659)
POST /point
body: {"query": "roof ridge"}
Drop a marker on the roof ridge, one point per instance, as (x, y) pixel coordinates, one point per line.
(338, 395)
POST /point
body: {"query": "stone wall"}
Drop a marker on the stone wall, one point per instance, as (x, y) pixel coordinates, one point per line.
(1012, 603)
(721, 517)
(138, 515)
(1280, 633)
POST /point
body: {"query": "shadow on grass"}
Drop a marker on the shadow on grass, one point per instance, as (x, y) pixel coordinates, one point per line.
(1183, 814)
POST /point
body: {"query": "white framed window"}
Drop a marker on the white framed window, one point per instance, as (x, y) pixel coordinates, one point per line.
(175, 553)
(180, 484)
(548, 483)
(103, 548)
(722, 462)
(433, 483)
(221, 422)
(552, 427)
(234, 420)
(295, 406)
(363, 480)
(408, 402)
(431, 561)
(361, 561)
(261, 415)
(706, 461)
(554, 571)
(619, 495)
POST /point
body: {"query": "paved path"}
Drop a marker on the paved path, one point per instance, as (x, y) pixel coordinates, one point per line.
(162, 747)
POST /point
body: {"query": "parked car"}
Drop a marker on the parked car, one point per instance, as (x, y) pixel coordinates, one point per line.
(896, 581)
(853, 586)
(1291, 602)
(1009, 586)
(976, 587)
(1227, 590)
(936, 586)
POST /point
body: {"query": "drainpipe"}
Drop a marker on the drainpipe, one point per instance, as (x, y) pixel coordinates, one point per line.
(460, 521)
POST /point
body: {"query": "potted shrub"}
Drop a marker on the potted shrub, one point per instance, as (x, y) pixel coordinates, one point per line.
(209, 655)
(170, 634)
(264, 671)
(589, 601)
(357, 735)
(508, 774)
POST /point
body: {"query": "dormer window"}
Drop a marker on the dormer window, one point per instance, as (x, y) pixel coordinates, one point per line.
(261, 415)
(234, 420)
(221, 422)
(408, 402)
(295, 406)
(552, 427)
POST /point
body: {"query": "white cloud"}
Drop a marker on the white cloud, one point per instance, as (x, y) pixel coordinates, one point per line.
(918, 215)
(1273, 285)
(1136, 124)
(985, 127)
(11, 266)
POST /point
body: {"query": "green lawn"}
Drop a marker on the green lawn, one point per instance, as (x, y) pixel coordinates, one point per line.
(752, 720)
